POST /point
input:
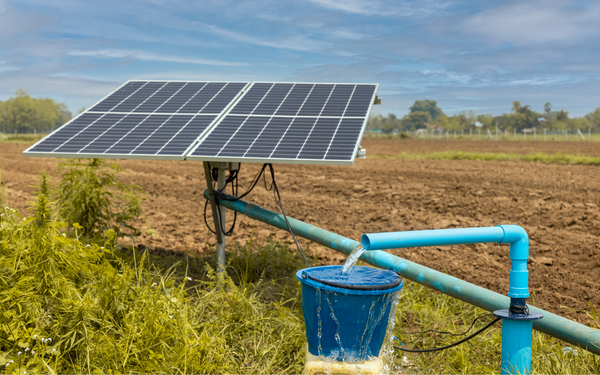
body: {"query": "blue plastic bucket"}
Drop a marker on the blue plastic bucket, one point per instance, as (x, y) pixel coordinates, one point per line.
(346, 317)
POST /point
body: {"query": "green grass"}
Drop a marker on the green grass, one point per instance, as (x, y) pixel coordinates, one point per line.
(484, 137)
(107, 309)
(541, 157)
(21, 138)
(421, 309)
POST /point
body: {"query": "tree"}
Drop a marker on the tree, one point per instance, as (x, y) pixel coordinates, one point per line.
(428, 106)
(25, 114)
(416, 120)
(547, 108)
(594, 118)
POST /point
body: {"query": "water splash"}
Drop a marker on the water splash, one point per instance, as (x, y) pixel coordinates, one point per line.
(337, 328)
(352, 259)
(320, 322)
(388, 343)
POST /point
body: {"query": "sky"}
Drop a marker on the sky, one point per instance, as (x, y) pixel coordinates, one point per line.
(477, 55)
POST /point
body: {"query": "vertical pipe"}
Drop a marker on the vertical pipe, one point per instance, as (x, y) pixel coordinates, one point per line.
(515, 133)
(545, 134)
(221, 243)
(516, 346)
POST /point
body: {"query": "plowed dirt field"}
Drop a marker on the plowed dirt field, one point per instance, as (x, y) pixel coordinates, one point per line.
(556, 204)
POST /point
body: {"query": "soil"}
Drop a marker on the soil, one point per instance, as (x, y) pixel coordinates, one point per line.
(556, 204)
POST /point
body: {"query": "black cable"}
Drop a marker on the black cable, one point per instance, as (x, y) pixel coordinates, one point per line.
(234, 176)
(252, 185)
(206, 221)
(419, 334)
(214, 174)
(280, 203)
(447, 346)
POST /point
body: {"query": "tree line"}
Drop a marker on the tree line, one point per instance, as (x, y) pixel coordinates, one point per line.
(425, 114)
(24, 114)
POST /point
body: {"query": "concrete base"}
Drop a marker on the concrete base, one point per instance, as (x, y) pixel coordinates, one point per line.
(316, 366)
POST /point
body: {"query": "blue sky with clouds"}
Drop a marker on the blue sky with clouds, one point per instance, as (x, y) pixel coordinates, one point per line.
(478, 55)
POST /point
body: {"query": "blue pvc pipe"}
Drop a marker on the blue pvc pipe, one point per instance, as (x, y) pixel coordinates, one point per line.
(554, 325)
(512, 234)
(516, 334)
(516, 346)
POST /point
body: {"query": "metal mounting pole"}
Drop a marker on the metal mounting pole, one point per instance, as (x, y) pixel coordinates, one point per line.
(221, 243)
(213, 206)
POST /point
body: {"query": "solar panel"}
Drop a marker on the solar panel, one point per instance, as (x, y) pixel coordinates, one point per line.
(308, 123)
(142, 120)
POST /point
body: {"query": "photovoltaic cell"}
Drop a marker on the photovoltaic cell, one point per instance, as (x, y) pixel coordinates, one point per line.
(143, 119)
(284, 122)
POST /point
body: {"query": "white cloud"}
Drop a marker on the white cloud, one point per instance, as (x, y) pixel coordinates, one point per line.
(298, 43)
(123, 54)
(535, 22)
(372, 8)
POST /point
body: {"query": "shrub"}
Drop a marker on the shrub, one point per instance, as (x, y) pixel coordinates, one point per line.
(90, 194)
(68, 307)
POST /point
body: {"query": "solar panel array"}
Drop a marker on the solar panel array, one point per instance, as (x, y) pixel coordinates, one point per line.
(142, 119)
(219, 121)
(292, 123)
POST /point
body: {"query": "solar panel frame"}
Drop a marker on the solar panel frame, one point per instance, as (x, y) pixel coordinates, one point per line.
(30, 152)
(282, 160)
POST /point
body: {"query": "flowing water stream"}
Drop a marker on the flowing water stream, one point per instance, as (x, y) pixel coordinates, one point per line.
(386, 358)
(352, 259)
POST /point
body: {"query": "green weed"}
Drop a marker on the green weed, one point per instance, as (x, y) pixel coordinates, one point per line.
(90, 194)
(557, 158)
(68, 307)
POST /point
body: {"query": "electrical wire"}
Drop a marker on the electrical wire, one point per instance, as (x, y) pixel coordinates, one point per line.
(420, 334)
(280, 203)
(447, 346)
(233, 176)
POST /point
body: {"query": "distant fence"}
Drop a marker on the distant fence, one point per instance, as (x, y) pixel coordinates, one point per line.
(502, 135)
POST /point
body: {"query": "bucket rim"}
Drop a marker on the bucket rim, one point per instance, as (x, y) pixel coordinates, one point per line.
(304, 277)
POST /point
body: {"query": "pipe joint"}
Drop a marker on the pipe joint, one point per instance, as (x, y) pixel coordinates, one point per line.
(519, 254)
(518, 240)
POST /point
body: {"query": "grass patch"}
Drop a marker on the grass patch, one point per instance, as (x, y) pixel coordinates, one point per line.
(541, 157)
(72, 307)
(421, 309)
(21, 138)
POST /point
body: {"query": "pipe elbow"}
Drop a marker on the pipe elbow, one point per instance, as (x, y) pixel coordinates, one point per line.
(518, 239)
